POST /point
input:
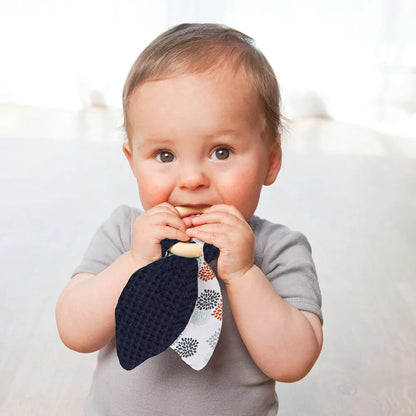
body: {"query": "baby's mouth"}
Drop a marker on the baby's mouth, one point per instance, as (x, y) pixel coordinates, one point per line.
(191, 211)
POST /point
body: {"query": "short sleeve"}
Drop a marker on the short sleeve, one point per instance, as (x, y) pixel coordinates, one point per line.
(285, 257)
(111, 240)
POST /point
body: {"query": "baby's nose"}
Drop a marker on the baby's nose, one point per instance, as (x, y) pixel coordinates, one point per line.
(193, 177)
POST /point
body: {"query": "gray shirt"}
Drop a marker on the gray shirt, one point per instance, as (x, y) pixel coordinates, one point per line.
(231, 383)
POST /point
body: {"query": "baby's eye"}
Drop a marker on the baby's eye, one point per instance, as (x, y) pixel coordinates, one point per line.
(165, 157)
(221, 153)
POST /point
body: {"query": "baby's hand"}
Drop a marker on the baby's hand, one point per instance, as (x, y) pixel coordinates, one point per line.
(224, 227)
(150, 228)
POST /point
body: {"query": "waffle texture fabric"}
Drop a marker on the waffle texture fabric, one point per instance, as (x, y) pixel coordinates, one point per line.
(154, 308)
(231, 383)
(156, 305)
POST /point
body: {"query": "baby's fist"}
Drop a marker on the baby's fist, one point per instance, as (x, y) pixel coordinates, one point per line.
(150, 228)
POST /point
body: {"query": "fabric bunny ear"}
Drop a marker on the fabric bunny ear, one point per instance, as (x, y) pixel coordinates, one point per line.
(196, 344)
(158, 303)
(154, 308)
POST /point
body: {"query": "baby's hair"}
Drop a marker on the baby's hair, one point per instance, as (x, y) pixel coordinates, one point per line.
(196, 48)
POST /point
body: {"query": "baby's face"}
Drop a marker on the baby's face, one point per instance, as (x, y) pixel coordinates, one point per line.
(197, 140)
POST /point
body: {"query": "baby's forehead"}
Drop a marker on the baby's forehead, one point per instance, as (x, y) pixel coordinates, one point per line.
(222, 88)
(221, 69)
(195, 104)
(214, 79)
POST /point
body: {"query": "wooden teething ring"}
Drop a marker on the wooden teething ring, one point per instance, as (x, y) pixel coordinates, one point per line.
(191, 250)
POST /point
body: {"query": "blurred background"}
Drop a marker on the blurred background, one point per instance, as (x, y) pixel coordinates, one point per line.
(347, 71)
(351, 60)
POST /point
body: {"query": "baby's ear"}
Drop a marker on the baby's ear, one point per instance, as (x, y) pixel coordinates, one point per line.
(275, 162)
(129, 155)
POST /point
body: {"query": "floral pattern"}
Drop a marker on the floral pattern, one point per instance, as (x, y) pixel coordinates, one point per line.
(208, 299)
(217, 312)
(213, 339)
(206, 273)
(186, 347)
(196, 344)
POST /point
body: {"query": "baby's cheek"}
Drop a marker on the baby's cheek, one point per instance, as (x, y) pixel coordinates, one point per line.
(243, 196)
(151, 193)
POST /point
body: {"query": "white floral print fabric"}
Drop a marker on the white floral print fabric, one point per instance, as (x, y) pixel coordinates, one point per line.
(197, 342)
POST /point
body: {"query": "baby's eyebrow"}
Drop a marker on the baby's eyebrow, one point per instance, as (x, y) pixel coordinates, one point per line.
(228, 132)
(146, 141)
(154, 140)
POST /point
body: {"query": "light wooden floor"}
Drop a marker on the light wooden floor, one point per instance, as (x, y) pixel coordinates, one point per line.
(351, 191)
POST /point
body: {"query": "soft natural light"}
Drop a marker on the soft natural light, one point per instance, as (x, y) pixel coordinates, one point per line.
(351, 60)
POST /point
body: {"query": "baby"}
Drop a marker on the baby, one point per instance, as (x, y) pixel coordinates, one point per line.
(202, 117)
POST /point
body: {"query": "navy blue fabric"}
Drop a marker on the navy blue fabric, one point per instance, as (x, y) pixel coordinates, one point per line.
(155, 306)
(210, 252)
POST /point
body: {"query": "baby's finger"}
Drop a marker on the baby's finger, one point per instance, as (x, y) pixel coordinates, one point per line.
(214, 234)
(168, 219)
(229, 209)
(171, 233)
(187, 221)
(217, 217)
(163, 207)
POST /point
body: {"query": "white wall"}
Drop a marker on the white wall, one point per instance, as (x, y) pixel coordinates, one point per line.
(354, 60)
